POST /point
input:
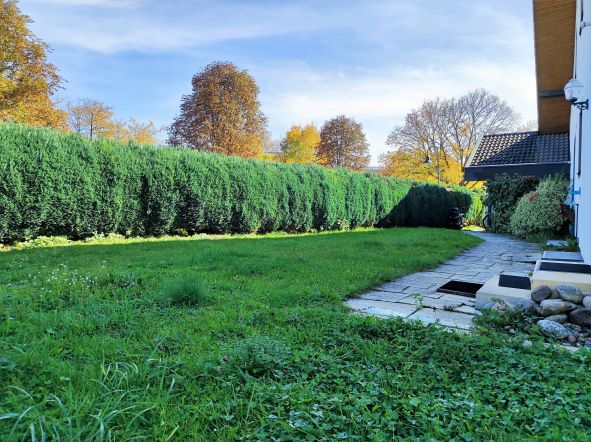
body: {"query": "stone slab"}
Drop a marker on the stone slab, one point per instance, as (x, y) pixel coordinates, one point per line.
(557, 243)
(392, 287)
(447, 319)
(438, 303)
(383, 296)
(381, 308)
(491, 291)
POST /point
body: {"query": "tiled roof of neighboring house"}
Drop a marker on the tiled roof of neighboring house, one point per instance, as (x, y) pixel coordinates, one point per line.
(523, 153)
(521, 148)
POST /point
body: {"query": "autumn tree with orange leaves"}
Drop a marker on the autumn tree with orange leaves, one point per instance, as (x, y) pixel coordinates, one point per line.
(343, 144)
(222, 114)
(27, 80)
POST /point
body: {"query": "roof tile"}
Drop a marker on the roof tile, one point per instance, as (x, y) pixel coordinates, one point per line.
(521, 148)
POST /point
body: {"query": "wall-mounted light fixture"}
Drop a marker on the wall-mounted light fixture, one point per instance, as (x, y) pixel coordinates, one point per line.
(573, 91)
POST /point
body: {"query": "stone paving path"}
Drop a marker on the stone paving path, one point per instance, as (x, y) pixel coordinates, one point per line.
(404, 296)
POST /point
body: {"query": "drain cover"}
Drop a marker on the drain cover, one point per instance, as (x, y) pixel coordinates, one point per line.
(462, 288)
(514, 282)
(565, 267)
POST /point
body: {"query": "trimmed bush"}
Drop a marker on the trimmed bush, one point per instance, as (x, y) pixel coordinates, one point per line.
(503, 194)
(62, 184)
(539, 214)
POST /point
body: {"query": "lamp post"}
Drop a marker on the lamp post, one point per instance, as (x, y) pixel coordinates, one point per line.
(428, 161)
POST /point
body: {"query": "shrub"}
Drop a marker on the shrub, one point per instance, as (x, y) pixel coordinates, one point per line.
(539, 214)
(188, 291)
(502, 194)
(430, 205)
(56, 184)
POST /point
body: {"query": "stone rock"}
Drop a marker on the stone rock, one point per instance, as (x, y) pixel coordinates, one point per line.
(572, 339)
(587, 302)
(561, 319)
(581, 316)
(550, 307)
(569, 293)
(555, 295)
(531, 309)
(541, 293)
(553, 329)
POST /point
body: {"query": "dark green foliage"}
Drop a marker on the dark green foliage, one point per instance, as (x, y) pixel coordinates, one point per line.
(502, 194)
(429, 205)
(55, 184)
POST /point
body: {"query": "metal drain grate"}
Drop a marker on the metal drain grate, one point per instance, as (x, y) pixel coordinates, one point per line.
(565, 267)
(515, 282)
(462, 288)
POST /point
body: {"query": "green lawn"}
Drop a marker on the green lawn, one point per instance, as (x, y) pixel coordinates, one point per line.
(91, 347)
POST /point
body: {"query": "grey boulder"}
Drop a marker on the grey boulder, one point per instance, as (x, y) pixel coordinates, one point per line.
(569, 293)
(561, 319)
(553, 329)
(587, 302)
(551, 307)
(581, 316)
(541, 293)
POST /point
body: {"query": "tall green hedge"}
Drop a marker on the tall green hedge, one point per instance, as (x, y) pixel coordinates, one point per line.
(62, 184)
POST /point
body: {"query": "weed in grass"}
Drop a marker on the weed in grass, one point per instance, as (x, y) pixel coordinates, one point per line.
(503, 317)
(187, 291)
(419, 300)
(256, 356)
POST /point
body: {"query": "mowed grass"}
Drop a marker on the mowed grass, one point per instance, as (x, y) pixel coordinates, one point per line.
(247, 338)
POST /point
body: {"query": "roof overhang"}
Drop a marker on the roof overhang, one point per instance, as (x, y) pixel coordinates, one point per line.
(554, 26)
(541, 170)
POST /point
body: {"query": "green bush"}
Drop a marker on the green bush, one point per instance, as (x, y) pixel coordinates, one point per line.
(502, 195)
(540, 214)
(430, 205)
(56, 184)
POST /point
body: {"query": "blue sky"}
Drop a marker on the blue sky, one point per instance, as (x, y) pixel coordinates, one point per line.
(373, 60)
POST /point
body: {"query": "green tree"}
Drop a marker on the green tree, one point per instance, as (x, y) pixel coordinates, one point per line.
(27, 79)
(299, 144)
(222, 114)
(343, 144)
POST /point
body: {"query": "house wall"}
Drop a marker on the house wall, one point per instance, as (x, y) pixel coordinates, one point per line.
(581, 155)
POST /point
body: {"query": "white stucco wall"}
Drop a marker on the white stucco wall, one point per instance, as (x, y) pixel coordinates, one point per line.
(582, 71)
